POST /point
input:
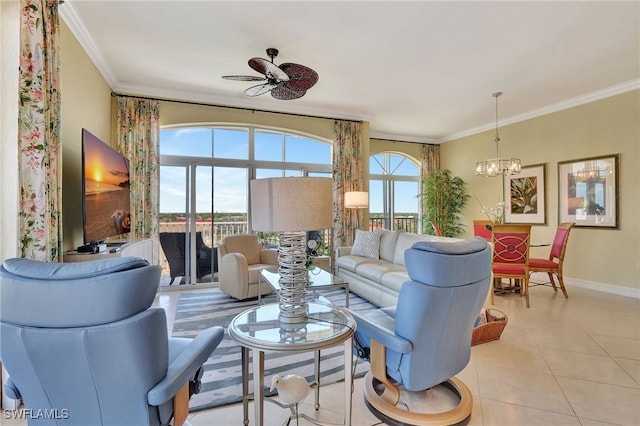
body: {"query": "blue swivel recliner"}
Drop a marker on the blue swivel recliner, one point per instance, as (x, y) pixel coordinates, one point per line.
(425, 340)
(83, 347)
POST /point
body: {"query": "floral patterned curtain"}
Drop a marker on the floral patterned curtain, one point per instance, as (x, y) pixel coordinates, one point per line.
(137, 138)
(430, 159)
(347, 176)
(40, 175)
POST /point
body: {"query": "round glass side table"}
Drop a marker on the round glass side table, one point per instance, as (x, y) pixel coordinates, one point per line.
(258, 330)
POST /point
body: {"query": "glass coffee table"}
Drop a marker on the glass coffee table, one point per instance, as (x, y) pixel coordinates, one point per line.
(318, 279)
(258, 330)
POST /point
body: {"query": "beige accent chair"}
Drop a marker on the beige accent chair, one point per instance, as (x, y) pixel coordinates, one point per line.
(240, 260)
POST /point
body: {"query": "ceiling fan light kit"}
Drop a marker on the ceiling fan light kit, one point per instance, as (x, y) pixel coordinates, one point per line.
(285, 82)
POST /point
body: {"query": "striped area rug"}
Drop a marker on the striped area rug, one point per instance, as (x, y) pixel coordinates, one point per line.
(222, 378)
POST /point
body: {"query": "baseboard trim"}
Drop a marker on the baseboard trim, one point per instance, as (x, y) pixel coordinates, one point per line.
(603, 287)
(592, 285)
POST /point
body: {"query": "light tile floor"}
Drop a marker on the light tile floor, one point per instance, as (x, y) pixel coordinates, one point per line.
(569, 361)
(564, 361)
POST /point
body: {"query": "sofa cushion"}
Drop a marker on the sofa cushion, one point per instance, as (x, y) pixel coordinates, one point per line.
(374, 270)
(350, 263)
(394, 280)
(405, 241)
(367, 244)
(388, 240)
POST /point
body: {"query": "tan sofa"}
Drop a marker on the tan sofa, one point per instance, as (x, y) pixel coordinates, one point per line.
(240, 260)
(379, 279)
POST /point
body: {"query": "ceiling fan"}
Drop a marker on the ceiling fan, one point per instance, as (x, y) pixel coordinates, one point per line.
(284, 81)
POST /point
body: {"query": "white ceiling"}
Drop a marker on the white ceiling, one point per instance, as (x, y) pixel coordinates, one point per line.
(420, 71)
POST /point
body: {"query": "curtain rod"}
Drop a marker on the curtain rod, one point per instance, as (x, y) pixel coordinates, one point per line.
(401, 141)
(114, 94)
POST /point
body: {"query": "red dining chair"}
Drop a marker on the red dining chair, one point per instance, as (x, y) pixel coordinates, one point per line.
(482, 228)
(553, 265)
(511, 255)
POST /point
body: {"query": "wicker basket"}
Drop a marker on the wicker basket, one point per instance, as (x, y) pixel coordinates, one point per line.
(490, 330)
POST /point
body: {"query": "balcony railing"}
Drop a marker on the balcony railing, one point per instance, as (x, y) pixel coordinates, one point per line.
(400, 223)
(214, 232)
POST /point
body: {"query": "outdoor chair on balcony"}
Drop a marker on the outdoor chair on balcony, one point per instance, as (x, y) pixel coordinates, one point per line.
(174, 243)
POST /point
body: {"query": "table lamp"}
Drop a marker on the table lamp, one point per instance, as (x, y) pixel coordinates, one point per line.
(291, 206)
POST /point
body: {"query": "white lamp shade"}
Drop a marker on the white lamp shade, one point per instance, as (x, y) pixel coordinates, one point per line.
(356, 200)
(291, 204)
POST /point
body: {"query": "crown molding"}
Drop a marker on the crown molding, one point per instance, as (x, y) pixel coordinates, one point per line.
(559, 106)
(70, 17)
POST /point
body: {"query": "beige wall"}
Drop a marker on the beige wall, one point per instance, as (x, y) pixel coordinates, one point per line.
(608, 126)
(85, 103)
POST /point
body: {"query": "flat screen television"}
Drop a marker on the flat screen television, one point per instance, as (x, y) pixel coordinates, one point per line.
(106, 197)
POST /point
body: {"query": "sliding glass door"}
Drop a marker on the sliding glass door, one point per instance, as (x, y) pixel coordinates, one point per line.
(394, 186)
(204, 185)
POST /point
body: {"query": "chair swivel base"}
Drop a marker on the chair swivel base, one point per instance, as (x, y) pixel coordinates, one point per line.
(394, 415)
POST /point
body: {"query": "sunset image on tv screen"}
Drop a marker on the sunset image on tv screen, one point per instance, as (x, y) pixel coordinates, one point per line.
(107, 194)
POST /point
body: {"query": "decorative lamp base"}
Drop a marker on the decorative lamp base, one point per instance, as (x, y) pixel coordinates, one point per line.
(292, 297)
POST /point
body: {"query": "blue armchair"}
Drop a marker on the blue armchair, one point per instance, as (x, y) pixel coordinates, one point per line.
(83, 347)
(425, 340)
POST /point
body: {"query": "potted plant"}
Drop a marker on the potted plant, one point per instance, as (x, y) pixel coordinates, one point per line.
(443, 197)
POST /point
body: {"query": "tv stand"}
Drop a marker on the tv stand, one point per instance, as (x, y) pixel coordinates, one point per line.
(141, 248)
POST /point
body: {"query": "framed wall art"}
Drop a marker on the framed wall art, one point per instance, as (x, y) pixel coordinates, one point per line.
(525, 196)
(588, 191)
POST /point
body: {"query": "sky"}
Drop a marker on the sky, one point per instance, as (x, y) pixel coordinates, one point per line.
(230, 193)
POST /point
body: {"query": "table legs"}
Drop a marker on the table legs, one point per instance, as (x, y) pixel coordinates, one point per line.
(317, 375)
(245, 385)
(258, 385)
(346, 292)
(348, 379)
(258, 382)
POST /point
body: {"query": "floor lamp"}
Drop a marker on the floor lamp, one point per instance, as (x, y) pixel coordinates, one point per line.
(356, 200)
(291, 206)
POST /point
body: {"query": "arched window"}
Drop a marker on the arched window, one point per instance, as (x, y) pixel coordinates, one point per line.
(205, 173)
(394, 186)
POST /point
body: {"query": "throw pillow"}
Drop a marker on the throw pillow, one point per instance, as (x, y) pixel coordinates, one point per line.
(367, 244)
(388, 244)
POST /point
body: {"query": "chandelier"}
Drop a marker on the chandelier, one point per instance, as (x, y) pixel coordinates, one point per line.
(498, 166)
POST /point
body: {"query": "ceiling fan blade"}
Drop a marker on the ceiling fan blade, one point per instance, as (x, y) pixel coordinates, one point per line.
(301, 78)
(260, 89)
(243, 77)
(269, 69)
(282, 92)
